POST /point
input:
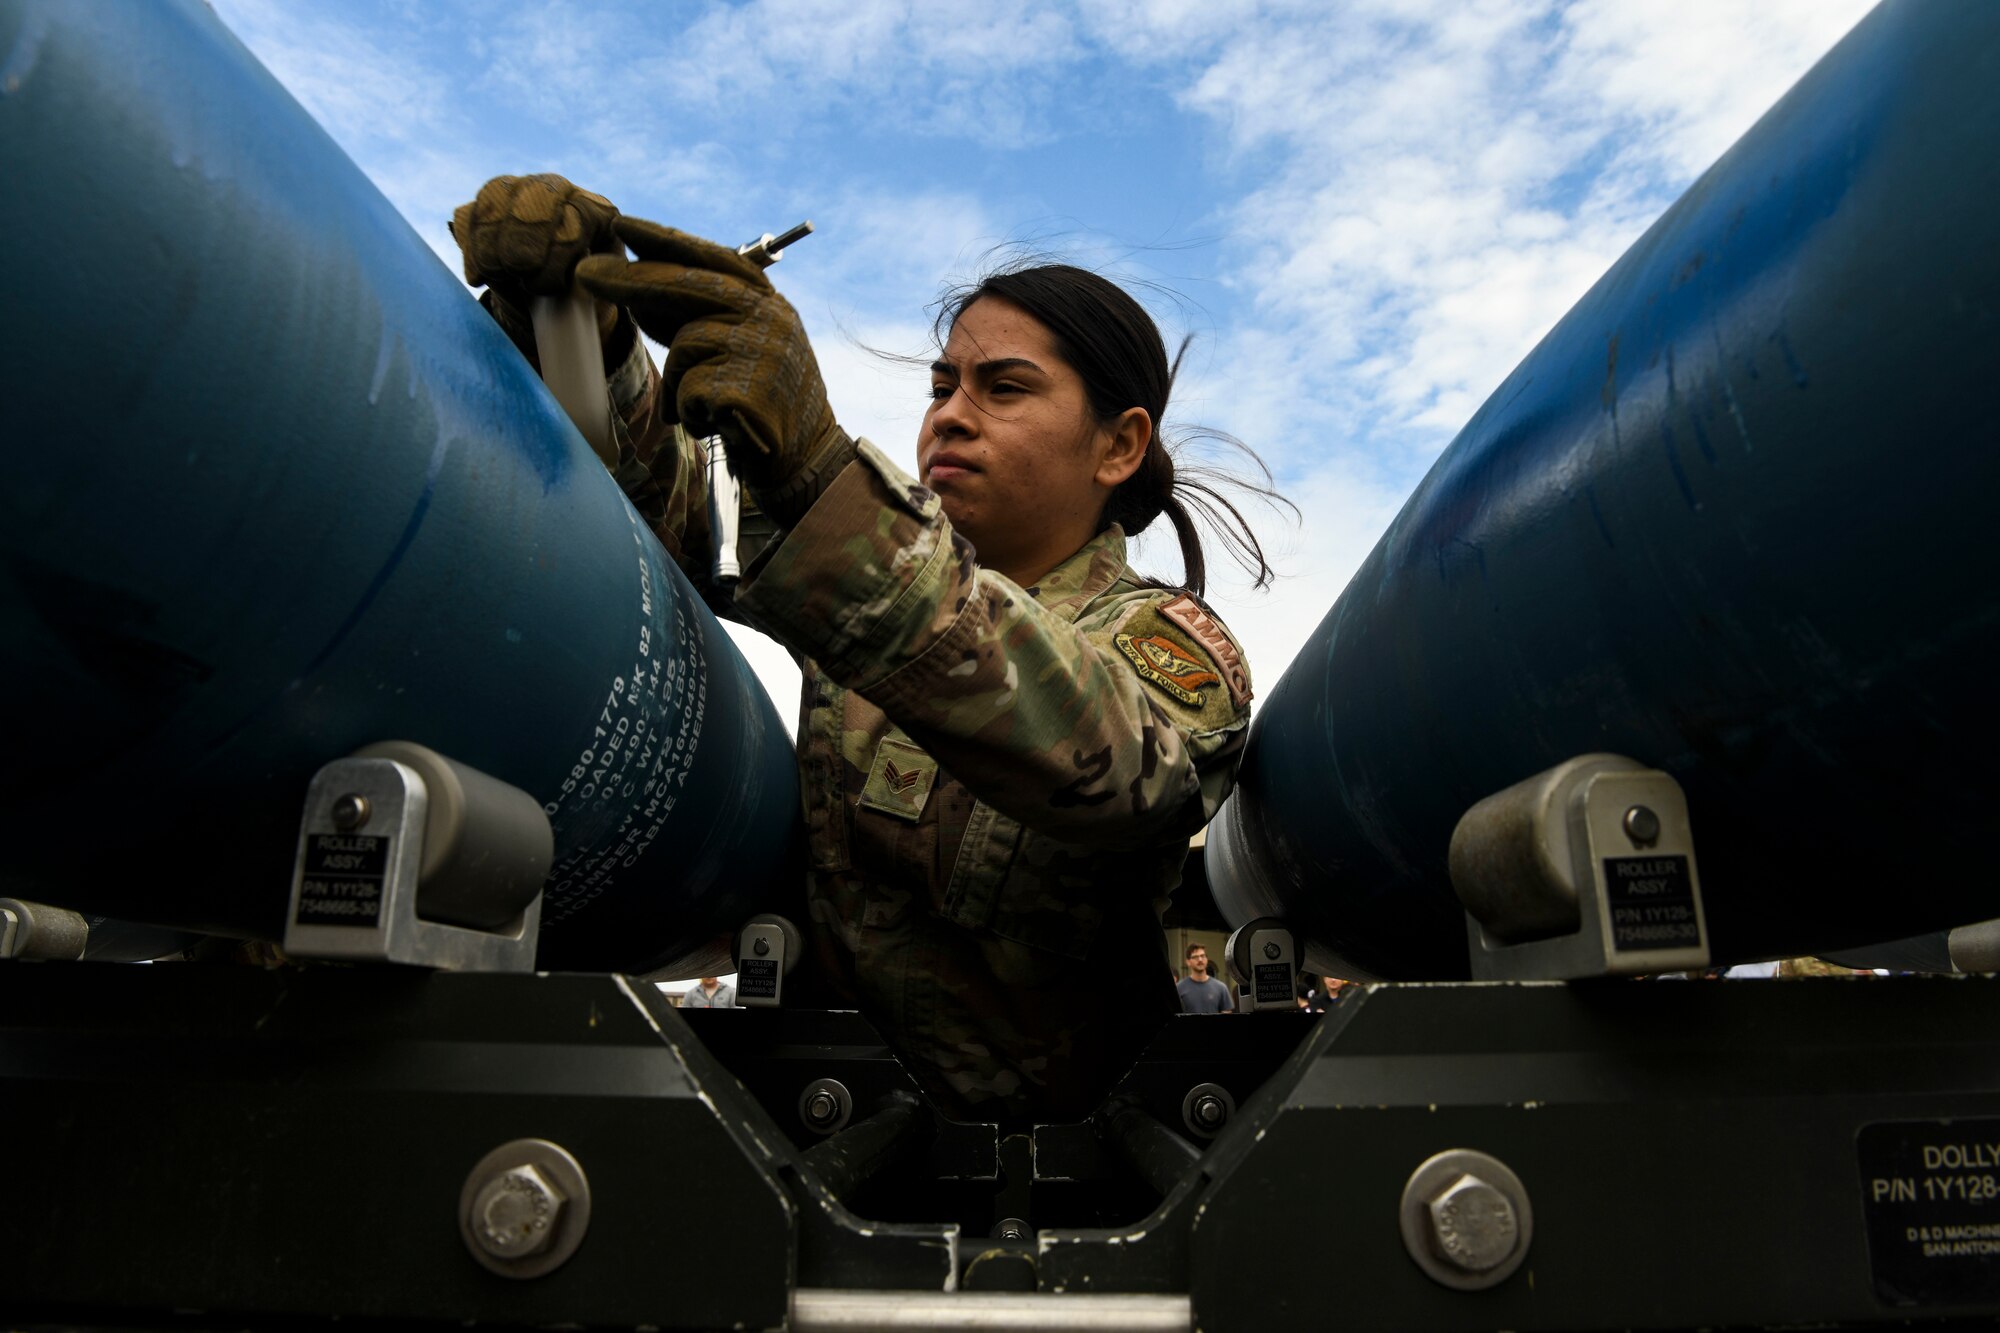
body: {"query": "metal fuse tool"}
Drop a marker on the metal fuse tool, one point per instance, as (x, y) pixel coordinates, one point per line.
(573, 367)
(725, 492)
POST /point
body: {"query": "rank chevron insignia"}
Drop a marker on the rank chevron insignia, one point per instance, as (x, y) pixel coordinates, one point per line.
(899, 779)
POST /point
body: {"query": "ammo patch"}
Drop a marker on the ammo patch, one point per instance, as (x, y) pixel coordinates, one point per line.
(900, 780)
(1168, 665)
(1191, 616)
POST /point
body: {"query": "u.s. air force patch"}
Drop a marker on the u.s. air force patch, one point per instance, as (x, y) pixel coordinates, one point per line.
(900, 779)
(1168, 665)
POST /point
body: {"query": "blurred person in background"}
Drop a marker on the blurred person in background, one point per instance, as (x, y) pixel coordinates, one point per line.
(1201, 993)
(709, 993)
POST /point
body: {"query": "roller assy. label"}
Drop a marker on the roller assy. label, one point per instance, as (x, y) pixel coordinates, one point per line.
(1652, 903)
(342, 884)
(1272, 983)
(1931, 1192)
(757, 979)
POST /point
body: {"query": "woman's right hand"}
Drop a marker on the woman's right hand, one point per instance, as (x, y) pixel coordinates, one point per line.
(738, 363)
(523, 236)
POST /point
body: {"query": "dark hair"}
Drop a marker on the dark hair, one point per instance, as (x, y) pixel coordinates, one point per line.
(1189, 952)
(1113, 344)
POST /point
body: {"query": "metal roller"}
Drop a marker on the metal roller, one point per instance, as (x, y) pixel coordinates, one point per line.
(1731, 518)
(278, 489)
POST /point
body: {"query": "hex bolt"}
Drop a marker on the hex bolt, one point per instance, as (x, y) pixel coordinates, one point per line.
(1467, 1220)
(1010, 1228)
(824, 1105)
(350, 812)
(1473, 1226)
(1206, 1108)
(1271, 951)
(524, 1209)
(1642, 826)
(760, 946)
(515, 1213)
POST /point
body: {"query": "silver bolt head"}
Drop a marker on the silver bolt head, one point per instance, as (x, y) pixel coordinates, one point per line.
(515, 1213)
(1473, 1225)
(1271, 951)
(1209, 1111)
(1642, 826)
(350, 812)
(822, 1108)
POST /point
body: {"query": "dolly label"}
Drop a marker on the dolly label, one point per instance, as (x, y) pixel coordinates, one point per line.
(1930, 1192)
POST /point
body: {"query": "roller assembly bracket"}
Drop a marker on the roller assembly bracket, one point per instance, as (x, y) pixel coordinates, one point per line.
(1976, 948)
(36, 931)
(1584, 870)
(1265, 956)
(768, 947)
(415, 860)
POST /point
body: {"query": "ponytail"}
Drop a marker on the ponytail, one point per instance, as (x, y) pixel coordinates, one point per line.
(1167, 484)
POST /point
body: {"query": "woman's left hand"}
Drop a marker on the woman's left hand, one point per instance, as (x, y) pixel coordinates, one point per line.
(738, 364)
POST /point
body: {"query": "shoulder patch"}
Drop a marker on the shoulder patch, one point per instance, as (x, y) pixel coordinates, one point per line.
(1184, 611)
(1169, 666)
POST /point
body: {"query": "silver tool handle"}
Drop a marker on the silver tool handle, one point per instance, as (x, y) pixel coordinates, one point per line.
(573, 366)
(725, 512)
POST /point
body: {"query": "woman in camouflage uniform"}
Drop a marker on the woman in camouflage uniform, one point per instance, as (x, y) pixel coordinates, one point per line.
(1008, 736)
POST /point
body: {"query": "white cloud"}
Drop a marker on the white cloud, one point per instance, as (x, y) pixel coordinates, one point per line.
(362, 90)
(779, 69)
(872, 392)
(1688, 79)
(1446, 180)
(966, 72)
(887, 254)
(393, 112)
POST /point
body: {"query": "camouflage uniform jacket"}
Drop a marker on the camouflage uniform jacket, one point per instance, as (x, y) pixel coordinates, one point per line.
(999, 783)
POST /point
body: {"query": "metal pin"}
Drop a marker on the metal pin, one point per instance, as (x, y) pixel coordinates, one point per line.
(767, 249)
(1642, 826)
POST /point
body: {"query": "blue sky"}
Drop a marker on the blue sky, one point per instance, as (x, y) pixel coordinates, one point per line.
(1366, 211)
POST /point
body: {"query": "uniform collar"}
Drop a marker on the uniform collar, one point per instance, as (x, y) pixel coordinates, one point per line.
(1081, 579)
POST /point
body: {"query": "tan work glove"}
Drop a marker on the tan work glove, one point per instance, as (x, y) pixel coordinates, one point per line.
(522, 238)
(738, 362)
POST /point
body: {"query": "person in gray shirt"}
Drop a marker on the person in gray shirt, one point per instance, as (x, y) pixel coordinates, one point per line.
(1200, 992)
(709, 993)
